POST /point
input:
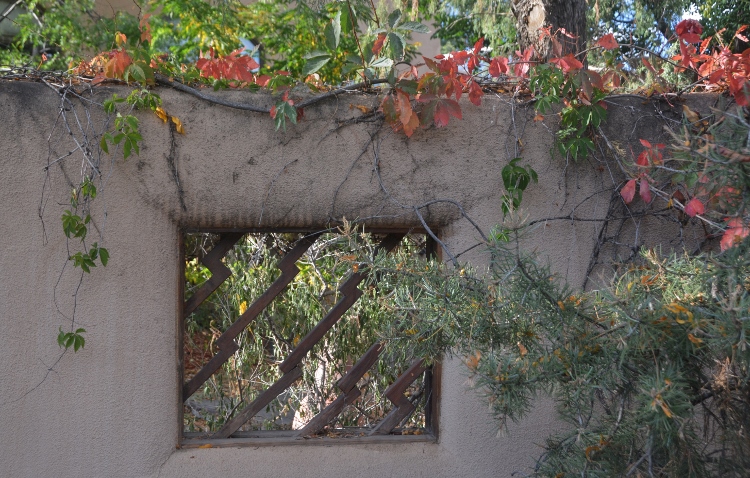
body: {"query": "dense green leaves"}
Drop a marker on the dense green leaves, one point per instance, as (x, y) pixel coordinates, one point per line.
(71, 339)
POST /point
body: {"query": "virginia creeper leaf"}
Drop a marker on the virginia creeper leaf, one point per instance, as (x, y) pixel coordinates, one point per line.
(608, 42)
(444, 109)
(694, 207)
(628, 191)
(644, 190)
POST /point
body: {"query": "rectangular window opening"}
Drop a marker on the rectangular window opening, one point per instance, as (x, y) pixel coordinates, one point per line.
(280, 342)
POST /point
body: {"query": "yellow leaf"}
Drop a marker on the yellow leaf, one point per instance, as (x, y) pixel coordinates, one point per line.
(349, 258)
(159, 111)
(243, 307)
(561, 305)
(120, 38)
(522, 349)
(207, 445)
(691, 115)
(178, 124)
(473, 361)
(364, 109)
(694, 339)
(591, 449)
(665, 409)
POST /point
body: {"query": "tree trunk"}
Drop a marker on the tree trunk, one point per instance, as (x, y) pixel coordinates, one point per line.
(532, 16)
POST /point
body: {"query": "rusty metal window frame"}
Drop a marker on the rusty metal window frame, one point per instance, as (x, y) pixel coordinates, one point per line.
(229, 435)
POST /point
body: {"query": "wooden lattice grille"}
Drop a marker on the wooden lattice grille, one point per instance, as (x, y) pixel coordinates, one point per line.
(226, 345)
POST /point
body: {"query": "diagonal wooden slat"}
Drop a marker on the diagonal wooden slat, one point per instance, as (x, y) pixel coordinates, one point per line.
(219, 272)
(227, 345)
(348, 381)
(259, 403)
(347, 384)
(395, 394)
(328, 414)
(350, 293)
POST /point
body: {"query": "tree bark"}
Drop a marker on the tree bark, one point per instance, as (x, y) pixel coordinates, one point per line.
(532, 16)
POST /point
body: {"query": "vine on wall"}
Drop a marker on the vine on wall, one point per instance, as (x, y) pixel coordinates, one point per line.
(659, 352)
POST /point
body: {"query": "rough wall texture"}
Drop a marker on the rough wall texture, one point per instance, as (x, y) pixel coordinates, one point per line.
(112, 409)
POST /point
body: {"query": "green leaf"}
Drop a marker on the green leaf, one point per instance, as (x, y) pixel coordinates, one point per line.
(382, 62)
(315, 63)
(414, 27)
(348, 68)
(397, 44)
(394, 18)
(104, 256)
(346, 20)
(132, 122)
(137, 73)
(333, 31)
(126, 149)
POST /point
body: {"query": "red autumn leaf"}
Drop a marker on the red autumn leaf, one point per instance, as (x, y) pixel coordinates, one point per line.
(478, 45)
(737, 34)
(567, 63)
(645, 143)
(738, 87)
(145, 28)
(498, 66)
(444, 109)
(628, 191)
(736, 231)
(521, 67)
(595, 79)
(694, 207)
(642, 158)
(378, 43)
(648, 65)
(686, 54)
(118, 63)
(644, 190)
(556, 46)
(689, 30)
(475, 93)
(715, 77)
(608, 42)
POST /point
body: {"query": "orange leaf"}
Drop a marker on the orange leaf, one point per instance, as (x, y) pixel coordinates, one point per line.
(118, 63)
(608, 42)
(378, 43)
(694, 339)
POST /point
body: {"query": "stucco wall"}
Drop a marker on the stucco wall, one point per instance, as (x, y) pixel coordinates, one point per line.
(111, 410)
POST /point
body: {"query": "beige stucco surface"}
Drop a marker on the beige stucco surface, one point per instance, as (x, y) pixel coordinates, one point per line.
(111, 410)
